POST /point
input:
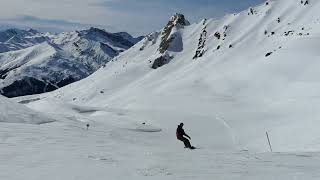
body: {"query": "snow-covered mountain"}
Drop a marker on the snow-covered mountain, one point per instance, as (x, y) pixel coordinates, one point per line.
(257, 68)
(230, 81)
(15, 39)
(33, 62)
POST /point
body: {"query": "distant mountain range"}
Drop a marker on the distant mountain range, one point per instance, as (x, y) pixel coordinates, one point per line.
(32, 62)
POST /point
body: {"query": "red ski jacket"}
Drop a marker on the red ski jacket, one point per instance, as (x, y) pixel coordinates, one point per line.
(180, 133)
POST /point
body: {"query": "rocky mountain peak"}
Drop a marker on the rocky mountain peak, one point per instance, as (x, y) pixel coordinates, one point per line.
(178, 19)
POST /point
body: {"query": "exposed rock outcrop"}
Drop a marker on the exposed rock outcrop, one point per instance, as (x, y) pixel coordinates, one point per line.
(201, 45)
(167, 36)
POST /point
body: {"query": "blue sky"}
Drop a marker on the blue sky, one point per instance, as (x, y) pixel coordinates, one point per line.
(134, 16)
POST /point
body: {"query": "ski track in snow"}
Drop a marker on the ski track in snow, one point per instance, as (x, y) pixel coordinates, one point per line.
(62, 151)
(65, 150)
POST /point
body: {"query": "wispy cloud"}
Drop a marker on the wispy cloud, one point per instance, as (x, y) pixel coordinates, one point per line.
(135, 16)
(47, 25)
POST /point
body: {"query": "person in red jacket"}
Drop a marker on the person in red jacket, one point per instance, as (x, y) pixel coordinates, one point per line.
(180, 136)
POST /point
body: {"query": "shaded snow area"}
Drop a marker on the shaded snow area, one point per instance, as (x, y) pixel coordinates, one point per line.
(229, 80)
(12, 112)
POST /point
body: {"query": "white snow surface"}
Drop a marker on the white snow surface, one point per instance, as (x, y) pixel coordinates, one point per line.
(228, 99)
(12, 112)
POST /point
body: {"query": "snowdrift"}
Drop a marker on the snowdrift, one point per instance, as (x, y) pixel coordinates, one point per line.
(11, 112)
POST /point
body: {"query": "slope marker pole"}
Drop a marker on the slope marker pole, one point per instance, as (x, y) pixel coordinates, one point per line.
(269, 141)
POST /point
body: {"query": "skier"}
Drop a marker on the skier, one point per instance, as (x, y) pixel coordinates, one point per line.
(88, 125)
(180, 136)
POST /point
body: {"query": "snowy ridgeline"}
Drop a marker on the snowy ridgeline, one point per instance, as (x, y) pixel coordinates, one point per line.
(32, 62)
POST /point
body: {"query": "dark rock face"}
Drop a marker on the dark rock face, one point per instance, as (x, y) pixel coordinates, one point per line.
(170, 40)
(160, 61)
(15, 39)
(27, 86)
(128, 37)
(268, 54)
(217, 35)
(65, 82)
(179, 21)
(30, 85)
(201, 45)
(3, 73)
(107, 49)
(123, 39)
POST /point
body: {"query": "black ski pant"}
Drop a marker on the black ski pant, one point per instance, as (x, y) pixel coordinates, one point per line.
(186, 142)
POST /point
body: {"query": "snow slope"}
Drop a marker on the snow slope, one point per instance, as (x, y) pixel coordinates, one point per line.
(67, 151)
(33, 62)
(233, 88)
(229, 80)
(12, 112)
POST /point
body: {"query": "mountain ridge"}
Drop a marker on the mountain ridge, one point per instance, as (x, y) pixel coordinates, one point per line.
(53, 60)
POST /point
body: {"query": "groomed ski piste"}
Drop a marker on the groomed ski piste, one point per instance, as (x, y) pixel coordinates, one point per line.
(262, 76)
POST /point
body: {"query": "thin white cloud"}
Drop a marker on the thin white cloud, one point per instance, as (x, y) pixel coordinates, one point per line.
(48, 25)
(79, 10)
(134, 16)
(77, 13)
